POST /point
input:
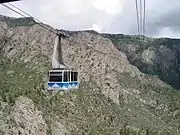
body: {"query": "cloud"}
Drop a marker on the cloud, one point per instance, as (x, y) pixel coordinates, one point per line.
(168, 23)
(95, 27)
(74, 15)
(112, 16)
(109, 6)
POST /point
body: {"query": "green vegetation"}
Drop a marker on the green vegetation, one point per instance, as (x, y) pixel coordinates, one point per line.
(21, 22)
(87, 108)
(158, 99)
(148, 109)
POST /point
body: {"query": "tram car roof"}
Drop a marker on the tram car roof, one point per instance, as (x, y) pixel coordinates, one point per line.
(62, 69)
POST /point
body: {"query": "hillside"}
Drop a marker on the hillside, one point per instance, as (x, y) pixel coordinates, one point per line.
(152, 56)
(114, 96)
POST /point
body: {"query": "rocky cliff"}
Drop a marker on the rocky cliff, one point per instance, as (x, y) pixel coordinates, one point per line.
(114, 96)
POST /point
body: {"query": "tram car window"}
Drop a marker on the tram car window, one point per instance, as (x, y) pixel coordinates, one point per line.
(75, 76)
(55, 76)
(66, 76)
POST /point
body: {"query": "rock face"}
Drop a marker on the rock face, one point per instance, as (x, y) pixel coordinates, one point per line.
(162, 56)
(23, 119)
(27, 118)
(134, 95)
(59, 129)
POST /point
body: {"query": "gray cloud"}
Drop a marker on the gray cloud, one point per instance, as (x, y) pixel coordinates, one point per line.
(170, 20)
(112, 16)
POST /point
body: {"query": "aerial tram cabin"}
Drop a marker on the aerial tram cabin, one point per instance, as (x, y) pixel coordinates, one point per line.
(63, 79)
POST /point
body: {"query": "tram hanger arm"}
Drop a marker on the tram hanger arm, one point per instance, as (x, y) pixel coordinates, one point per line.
(61, 34)
(6, 1)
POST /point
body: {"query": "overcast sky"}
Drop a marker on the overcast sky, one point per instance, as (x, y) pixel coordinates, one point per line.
(111, 16)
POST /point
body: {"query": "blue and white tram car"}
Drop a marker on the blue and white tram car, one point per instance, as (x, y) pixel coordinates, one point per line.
(63, 79)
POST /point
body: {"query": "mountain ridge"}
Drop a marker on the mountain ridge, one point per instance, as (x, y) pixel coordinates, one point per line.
(152, 56)
(114, 96)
